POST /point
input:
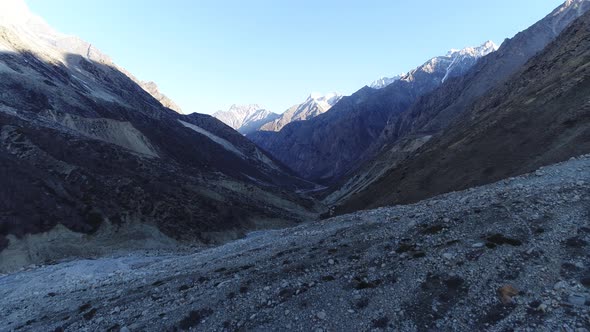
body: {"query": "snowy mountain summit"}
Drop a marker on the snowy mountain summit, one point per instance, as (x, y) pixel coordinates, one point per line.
(245, 118)
(385, 81)
(313, 106)
(476, 52)
(455, 63)
(325, 101)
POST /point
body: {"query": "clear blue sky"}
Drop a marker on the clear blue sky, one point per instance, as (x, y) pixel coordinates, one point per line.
(210, 54)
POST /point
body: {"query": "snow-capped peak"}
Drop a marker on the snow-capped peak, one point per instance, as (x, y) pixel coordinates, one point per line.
(327, 100)
(385, 81)
(479, 51)
(245, 118)
(455, 62)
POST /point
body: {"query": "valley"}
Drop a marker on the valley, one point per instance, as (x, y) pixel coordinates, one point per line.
(452, 197)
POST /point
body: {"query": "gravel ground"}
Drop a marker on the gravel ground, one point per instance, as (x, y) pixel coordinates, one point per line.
(513, 255)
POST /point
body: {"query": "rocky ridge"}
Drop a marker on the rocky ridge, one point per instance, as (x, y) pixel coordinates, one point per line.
(313, 106)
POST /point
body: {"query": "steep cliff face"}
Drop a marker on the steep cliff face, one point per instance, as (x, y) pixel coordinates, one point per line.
(537, 117)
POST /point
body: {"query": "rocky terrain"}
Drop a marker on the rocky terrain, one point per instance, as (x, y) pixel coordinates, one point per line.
(508, 256)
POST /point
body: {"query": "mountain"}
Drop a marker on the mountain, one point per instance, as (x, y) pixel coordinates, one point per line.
(90, 158)
(313, 106)
(245, 118)
(460, 61)
(328, 146)
(498, 121)
(385, 81)
(32, 29)
(152, 89)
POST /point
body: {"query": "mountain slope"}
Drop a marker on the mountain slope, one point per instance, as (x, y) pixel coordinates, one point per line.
(330, 144)
(245, 118)
(537, 117)
(82, 145)
(429, 115)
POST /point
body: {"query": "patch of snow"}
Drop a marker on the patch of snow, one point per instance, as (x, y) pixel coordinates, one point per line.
(385, 81)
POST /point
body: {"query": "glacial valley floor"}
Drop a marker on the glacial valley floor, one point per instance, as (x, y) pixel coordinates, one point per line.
(514, 255)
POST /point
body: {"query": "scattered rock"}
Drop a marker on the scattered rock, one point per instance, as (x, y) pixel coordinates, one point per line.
(448, 256)
(506, 293)
(560, 285)
(577, 299)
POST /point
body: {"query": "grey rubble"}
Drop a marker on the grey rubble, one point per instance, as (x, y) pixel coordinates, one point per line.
(435, 265)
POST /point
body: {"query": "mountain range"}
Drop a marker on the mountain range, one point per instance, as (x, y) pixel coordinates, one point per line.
(245, 118)
(252, 119)
(330, 145)
(84, 148)
(313, 106)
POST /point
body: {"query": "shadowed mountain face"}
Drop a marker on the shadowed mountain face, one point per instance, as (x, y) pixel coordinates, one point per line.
(82, 145)
(429, 115)
(538, 116)
(332, 144)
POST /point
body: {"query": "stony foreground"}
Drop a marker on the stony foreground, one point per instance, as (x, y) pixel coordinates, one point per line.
(512, 255)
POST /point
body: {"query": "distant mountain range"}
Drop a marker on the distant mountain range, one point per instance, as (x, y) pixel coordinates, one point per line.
(313, 106)
(248, 119)
(329, 145)
(245, 118)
